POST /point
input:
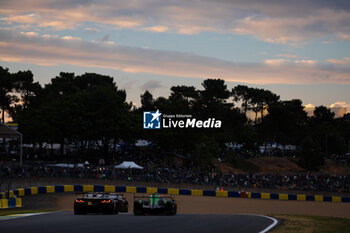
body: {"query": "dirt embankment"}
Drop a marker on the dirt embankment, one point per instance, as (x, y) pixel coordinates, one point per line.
(208, 205)
(283, 166)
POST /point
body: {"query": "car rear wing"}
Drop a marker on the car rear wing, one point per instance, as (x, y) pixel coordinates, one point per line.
(98, 193)
(172, 196)
(91, 193)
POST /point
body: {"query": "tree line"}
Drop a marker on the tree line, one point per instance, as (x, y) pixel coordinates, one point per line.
(90, 109)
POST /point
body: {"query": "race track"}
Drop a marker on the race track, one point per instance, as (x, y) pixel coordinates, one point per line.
(67, 222)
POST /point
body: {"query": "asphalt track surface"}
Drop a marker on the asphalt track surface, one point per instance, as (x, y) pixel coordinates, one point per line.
(66, 222)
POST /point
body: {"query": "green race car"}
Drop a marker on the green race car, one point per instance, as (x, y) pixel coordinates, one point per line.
(155, 204)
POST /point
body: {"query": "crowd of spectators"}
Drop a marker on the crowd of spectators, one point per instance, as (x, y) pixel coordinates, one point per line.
(302, 182)
(161, 172)
(343, 160)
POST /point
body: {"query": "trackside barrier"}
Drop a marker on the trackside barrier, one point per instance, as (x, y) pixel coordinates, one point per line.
(12, 199)
(233, 194)
(151, 190)
(283, 196)
(292, 197)
(265, 196)
(10, 203)
(131, 189)
(196, 192)
(221, 193)
(301, 197)
(97, 188)
(163, 191)
(68, 188)
(173, 191)
(110, 188)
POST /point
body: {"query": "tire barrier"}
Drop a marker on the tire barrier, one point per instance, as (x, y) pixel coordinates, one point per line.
(14, 194)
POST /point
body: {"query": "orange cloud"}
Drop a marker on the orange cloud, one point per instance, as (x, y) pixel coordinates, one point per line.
(156, 29)
(306, 62)
(30, 33)
(343, 61)
(274, 61)
(340, 108)
(292, 30)
(288, 55)
(70, 38)
(277, 22)
(43, 50)
(309, 109)
(25, 19)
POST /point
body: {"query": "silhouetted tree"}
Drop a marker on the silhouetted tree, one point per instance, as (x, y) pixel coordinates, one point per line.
(242, 93)
(6, 94)
(260, 100)
(90, 111)
(310, 156)
(285, 122)
(147, 101)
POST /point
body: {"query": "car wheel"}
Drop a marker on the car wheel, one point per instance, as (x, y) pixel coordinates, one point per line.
(79, 212)
(108, 210)
(138, 212)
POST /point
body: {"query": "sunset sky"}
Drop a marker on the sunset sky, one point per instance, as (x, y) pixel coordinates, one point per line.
(297, 49)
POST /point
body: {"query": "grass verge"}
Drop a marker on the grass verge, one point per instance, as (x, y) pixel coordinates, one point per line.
(311, 224)
(5, 212)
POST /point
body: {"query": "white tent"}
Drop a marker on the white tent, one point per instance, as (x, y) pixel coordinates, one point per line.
(127, 165)
(142, 143)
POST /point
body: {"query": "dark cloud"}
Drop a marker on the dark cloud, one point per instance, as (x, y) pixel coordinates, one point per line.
(151, 84)
(291, 21)
(105, 38)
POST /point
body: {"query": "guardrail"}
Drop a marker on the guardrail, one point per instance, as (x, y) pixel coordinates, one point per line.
(189, 192)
